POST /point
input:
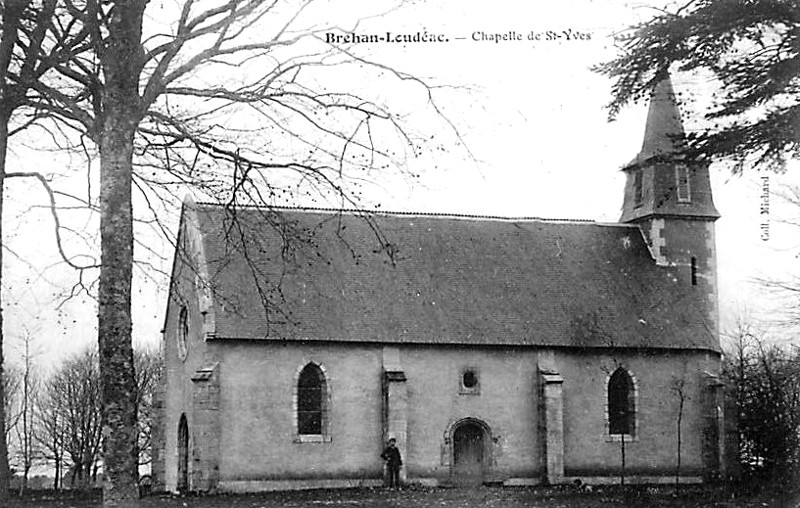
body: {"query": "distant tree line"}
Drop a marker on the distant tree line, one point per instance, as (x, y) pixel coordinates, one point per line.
(55, 420)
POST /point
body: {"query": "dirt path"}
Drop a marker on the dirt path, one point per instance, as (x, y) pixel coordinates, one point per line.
(441, 498)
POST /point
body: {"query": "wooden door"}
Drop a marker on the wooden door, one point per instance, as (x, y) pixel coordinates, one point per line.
(468, 454)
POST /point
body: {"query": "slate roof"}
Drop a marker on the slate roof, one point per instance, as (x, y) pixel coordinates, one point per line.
(448, 280)
(664, 134)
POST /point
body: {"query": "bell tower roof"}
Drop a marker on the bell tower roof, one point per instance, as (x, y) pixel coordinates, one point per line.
(663, 133)
(661, 181)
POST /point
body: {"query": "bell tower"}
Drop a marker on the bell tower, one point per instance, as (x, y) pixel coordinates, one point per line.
(669, 198)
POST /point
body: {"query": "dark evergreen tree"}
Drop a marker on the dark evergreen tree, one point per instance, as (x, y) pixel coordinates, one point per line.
(750, 52)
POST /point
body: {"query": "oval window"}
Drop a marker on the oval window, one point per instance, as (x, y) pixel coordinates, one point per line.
(470, 379)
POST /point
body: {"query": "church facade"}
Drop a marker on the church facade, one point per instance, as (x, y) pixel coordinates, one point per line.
(494, 350)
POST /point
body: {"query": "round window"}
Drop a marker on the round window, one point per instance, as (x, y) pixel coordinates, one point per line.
(470, 379)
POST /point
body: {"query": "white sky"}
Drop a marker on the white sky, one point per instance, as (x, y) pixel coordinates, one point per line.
(534, 121)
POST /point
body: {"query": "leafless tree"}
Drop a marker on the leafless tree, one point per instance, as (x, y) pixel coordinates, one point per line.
(11, 382)
(71, 416)
(148, 370)
(25, 430)
(51, 432)
(143, 97)
(25, 58)
(139, 95)
(679, 390)
(765, 378)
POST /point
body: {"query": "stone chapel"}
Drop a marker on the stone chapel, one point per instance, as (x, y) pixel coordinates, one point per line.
(512, 351)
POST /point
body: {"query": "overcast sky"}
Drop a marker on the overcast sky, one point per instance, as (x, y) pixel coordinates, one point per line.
(539, 144)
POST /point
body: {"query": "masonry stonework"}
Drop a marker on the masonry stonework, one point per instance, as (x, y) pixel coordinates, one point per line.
(553, 428)
(257, 451)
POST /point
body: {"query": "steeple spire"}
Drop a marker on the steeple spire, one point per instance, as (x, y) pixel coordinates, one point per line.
(663, 133)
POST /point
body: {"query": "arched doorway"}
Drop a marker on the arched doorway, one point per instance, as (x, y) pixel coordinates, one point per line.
(183, 455)
(471, 453)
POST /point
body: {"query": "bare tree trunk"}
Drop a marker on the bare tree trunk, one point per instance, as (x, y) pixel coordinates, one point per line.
(11, 15)
(26, 435)
(622, 457)
(10, 25)
(120, 59)
(120, 456)
(4, 471)
(57, 479)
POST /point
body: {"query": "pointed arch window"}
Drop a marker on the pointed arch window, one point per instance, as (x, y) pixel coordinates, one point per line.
(183, 454)
(312, 401)
(621, 403)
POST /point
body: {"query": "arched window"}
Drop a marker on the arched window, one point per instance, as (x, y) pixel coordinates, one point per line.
(311, 401)
(621, 403)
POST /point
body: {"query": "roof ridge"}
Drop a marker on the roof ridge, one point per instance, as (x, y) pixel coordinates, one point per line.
(406, 213)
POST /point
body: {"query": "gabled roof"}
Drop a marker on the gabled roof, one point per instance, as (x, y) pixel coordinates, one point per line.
(405, 278)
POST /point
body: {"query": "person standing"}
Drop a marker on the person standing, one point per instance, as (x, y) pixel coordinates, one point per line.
(391, 456)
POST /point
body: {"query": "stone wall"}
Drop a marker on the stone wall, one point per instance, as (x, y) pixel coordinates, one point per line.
(180, 364)
(375, 391)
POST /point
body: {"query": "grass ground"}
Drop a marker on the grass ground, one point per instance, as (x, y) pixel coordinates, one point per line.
(443, 498)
